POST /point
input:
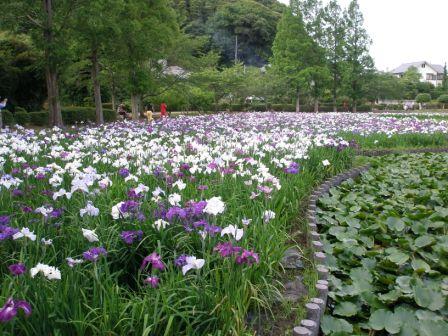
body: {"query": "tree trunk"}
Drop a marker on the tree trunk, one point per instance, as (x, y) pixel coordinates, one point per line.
(135, 105)
(55, 117)
(298, 102)
(354, 107)
(113, 97)
(97, 87)
(316, 106)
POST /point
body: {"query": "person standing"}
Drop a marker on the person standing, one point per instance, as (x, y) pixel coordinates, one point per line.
(2, 106)
(148, 114)
(163, 112)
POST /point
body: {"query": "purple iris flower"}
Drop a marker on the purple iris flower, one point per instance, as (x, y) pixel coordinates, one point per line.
(155, 260)
(17, 269)
(123, 172)
(153, 281)
(129, 206)
(17, 193)
(27, 209)
(248, 258)
(129, 236)
(11, 307)
(56, 213)
(94, 253)
(226, 249)
(181, 260)
(7, 232)
(293, 168)
(202, 187)
(5, 220)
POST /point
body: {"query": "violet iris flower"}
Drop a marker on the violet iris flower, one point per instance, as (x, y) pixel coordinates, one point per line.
(129, 236)
(155, 260)
(94, 253)
(11, 307)
(17, 269)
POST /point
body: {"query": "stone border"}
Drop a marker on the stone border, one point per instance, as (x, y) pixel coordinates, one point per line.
(381, 152)
(315, 308)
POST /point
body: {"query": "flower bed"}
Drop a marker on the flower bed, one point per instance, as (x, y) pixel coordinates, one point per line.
(386, 248)
(172, 228)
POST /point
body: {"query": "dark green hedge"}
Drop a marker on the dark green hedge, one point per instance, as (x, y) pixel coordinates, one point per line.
(39, 118)
(22, 118)
(8, 118)
(72, 115)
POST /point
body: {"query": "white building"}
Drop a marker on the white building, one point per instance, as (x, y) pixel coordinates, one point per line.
(430, 73)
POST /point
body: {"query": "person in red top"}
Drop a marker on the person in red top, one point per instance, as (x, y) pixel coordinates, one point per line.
(163, 112)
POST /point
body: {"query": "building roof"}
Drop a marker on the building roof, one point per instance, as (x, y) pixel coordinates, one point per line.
(404, 67)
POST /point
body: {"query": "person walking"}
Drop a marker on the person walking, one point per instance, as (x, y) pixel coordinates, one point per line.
(163, 112)
(2, 106)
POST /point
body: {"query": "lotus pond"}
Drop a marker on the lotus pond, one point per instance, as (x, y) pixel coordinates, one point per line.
(387, 237)
(178, 227)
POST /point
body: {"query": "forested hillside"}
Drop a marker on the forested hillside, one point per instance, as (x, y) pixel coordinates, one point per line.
(246, 25)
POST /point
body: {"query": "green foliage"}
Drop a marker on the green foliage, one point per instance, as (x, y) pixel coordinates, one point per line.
(294, 51)
(8, 117)
(22, 118)
(358, 61)
(39, 118)
(443, 99)
(423, 98)
(21, 73)
(72, 115)
(387, 238)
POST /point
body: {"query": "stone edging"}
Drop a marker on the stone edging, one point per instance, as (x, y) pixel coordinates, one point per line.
(381, 152)
(315, 308)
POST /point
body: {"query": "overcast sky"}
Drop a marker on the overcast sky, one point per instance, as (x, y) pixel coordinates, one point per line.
(405, 30)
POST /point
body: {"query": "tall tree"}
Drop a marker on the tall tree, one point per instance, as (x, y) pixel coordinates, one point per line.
(359, 63)
(148, 29)
(95, 30)
(46, 22)
(311, 11)
(294, 51)
(334, 43)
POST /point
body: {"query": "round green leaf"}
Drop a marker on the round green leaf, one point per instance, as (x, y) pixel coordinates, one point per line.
(346, 309)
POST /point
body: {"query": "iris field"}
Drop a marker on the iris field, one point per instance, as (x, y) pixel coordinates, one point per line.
(170, 228)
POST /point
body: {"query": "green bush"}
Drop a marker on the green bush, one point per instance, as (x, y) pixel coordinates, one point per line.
(19, 109)
(236, 107)
(423, 98)
(365, 108)
(257, 107)
(22, 118)
(107, 106)
(200, 100)
(8, 118)
(39, 118)
(443, 99)
(75, 114)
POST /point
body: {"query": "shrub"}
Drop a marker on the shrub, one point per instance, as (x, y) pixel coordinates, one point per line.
(201, 100)
(75, 114)
(366, 108)
(22, 118)
(39, 118)
(19, 109)
(443, 99)
(236, 107)
(107, 106)
(8, 118)
(423, 98)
